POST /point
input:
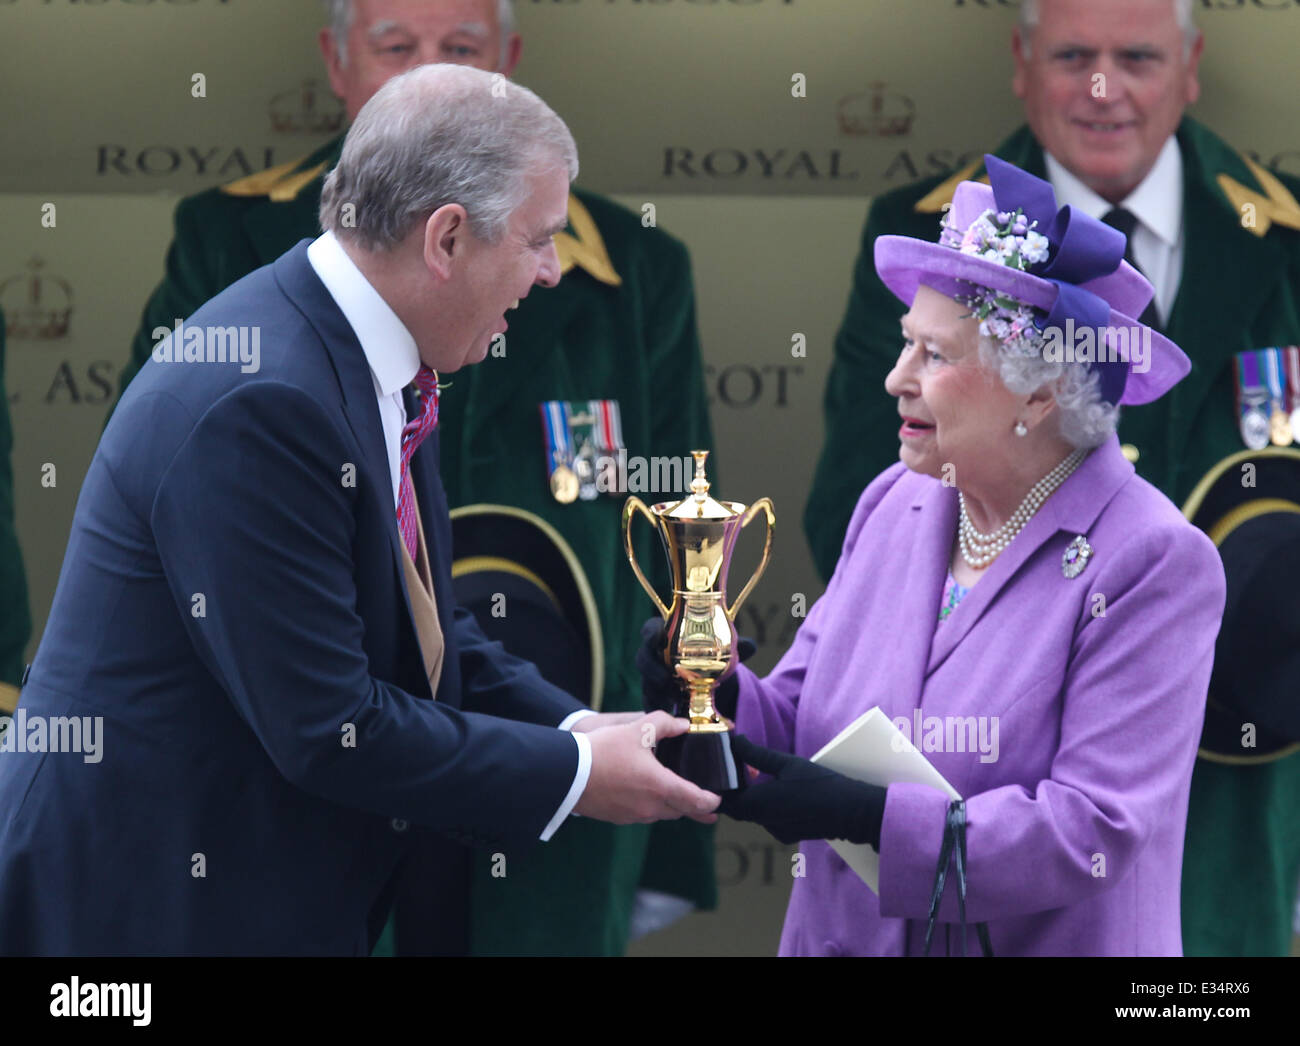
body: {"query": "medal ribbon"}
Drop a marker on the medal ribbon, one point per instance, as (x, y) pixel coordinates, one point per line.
(1271, 359)
(608, 429)
(1291, 367)
(1250, 390)
(615, 425)
(559, 440)
(1251, 399)
(599, 427)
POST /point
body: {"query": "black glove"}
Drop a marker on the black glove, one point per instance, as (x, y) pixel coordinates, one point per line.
(804, 800)
(659, 687)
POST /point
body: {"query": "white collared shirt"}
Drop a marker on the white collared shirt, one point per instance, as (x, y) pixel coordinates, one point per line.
(394, 360)
(1157, 203)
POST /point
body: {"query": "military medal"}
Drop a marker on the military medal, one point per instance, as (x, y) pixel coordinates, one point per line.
(1251, 400)
(1254, 427)
(584, 466)
(584, 443)
(1279, 423)
(1077, 554)
(564, 484)
(559, 451)
(1279, 429)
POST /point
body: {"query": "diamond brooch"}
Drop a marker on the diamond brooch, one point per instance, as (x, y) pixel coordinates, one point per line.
(1077, 554)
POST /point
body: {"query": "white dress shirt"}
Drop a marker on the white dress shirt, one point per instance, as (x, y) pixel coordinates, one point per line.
(1157, 203)
(394, 360)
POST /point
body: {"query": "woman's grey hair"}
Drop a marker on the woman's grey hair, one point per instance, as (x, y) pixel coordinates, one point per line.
(436, 135)
(341, 13)
(1086, 419)
(1183, 11)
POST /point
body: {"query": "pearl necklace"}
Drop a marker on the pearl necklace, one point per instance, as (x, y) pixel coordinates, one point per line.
(979, 550)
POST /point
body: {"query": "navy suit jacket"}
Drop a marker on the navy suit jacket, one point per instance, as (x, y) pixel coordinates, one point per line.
(232, 605)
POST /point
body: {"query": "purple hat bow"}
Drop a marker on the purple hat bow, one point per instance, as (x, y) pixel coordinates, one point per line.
(1081, 249)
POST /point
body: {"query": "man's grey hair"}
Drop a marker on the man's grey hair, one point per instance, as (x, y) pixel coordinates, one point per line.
(1183, 11)
(342, 12)
(1086, 419)
(436, 135)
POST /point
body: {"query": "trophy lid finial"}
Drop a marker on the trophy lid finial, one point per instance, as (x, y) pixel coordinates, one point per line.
(699, 484)
(700, 505)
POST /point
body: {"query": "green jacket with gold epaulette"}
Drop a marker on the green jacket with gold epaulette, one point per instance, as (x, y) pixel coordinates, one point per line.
(621, 326)
(1240, 289)
(15, 620)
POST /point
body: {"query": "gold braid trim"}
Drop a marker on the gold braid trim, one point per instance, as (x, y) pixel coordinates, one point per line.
(586, 249)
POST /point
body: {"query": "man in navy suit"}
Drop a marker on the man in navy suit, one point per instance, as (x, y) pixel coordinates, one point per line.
(254, 618)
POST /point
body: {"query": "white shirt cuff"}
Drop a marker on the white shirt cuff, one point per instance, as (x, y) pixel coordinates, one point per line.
(577, 788)
(567, 722)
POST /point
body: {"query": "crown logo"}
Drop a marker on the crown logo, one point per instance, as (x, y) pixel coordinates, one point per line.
(875, 114)
(306, 108)
(36, 306)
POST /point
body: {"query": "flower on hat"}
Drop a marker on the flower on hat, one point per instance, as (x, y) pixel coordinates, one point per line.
(1006, 238)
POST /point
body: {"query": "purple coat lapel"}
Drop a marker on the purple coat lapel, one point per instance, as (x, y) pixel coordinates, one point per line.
(1073, 509)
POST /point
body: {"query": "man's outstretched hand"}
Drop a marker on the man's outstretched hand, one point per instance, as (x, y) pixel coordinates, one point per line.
(601, 720)
(628, 785)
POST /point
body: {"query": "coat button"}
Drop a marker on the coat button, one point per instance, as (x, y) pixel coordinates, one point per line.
(399, 825)
(1131, 453)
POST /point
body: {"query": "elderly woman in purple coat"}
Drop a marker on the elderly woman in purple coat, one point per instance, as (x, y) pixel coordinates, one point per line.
(1013, 572)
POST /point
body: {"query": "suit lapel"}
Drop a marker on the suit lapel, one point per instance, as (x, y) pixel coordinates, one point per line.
(916, 576)
(360, 405)
(1073, 508)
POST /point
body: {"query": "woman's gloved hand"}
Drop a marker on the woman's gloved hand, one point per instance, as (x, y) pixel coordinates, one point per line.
(659, 687)
(804, 800)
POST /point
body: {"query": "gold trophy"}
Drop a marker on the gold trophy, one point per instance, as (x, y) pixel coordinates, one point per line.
(699, 535)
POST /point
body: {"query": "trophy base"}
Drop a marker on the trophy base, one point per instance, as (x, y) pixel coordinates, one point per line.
(704, 759)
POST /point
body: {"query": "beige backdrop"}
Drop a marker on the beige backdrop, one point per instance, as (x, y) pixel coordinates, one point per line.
(100, 122)
(678, 96)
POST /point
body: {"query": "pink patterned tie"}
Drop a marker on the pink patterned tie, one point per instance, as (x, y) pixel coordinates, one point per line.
(413, 434)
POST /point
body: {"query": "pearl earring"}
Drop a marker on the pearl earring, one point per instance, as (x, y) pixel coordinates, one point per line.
(1020, 429)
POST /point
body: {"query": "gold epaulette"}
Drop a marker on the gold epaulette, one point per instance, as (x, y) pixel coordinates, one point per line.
(281, 183)
(1277, 206)
(585, 249)
(939, 197)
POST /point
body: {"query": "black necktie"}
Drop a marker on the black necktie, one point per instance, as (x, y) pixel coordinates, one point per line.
(1126, 221)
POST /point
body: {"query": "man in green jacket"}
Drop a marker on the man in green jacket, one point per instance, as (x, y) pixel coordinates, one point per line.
(15, 621)
(1227, 279)
(619, 327)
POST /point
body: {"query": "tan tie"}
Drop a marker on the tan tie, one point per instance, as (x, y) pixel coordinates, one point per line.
(419, 588)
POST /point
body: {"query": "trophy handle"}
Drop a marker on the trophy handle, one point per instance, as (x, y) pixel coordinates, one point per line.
(630, 507)
(764, 504)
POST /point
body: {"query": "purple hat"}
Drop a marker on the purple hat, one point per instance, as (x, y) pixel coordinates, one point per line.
(1042, 280)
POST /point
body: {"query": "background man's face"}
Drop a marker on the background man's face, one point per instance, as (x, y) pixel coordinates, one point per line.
(389, 37)
(1109, 142)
